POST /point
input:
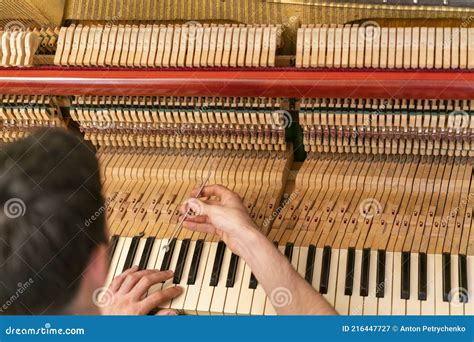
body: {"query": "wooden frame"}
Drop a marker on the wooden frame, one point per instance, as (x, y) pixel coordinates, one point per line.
(288, 83)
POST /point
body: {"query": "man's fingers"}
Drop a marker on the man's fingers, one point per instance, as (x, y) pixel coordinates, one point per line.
(199, 227)
(147, 281)
(118, 281)
(132, 279)
(212, 190)
(167, 312)
(160, 297)
(197, 219)
(197, 207)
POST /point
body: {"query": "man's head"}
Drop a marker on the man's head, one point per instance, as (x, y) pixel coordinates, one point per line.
(52, 229)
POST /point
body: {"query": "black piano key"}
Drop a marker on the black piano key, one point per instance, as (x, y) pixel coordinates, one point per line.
(365, 273)
(165, 265)
(289, 251)
(380, 287)
(464, 292)
(131, 253)
(253, 283)
(446, 277)
(349, 272)
(113, 245)
(422, 276)
(325, 267)
(195, 262)
(405, 281)
(310, 264)
(216, 268)
(146, 253)
(234, 262)
(183, 252)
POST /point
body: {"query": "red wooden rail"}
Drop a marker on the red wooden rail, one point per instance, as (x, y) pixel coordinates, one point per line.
(288, 83)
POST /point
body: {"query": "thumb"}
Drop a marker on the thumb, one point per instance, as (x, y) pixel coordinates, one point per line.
(197, 207)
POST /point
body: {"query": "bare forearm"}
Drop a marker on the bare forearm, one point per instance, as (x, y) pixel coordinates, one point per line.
(281, 281)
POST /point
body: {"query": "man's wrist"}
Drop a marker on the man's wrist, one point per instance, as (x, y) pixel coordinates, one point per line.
(251, 240)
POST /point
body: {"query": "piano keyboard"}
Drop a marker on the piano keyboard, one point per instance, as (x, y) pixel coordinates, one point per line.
(356, 282)
(152, 45)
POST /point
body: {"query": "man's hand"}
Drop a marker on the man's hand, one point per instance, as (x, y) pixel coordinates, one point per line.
(128, 292)
(223, 214)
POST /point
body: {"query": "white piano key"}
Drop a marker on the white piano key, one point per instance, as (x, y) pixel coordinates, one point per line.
(173, 262)
(205, 296)
(317, 268)
(398, 304)
(259, 301)
(342, 301)
(371, 301)
(178, 302)
(155, 251)
(234, 293)
(428, 306)
(442, 308)
(139, 252)
(331, 294)
(303, 257)
(158, 261)
(194, 290)
(123, 256)
(357, 301)
(220, 291)
(114, 261)
(244, 306)
(456, 306)
(469, 306)
(385, 303)
(295, 257)
(413, 304)
(269, 309)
